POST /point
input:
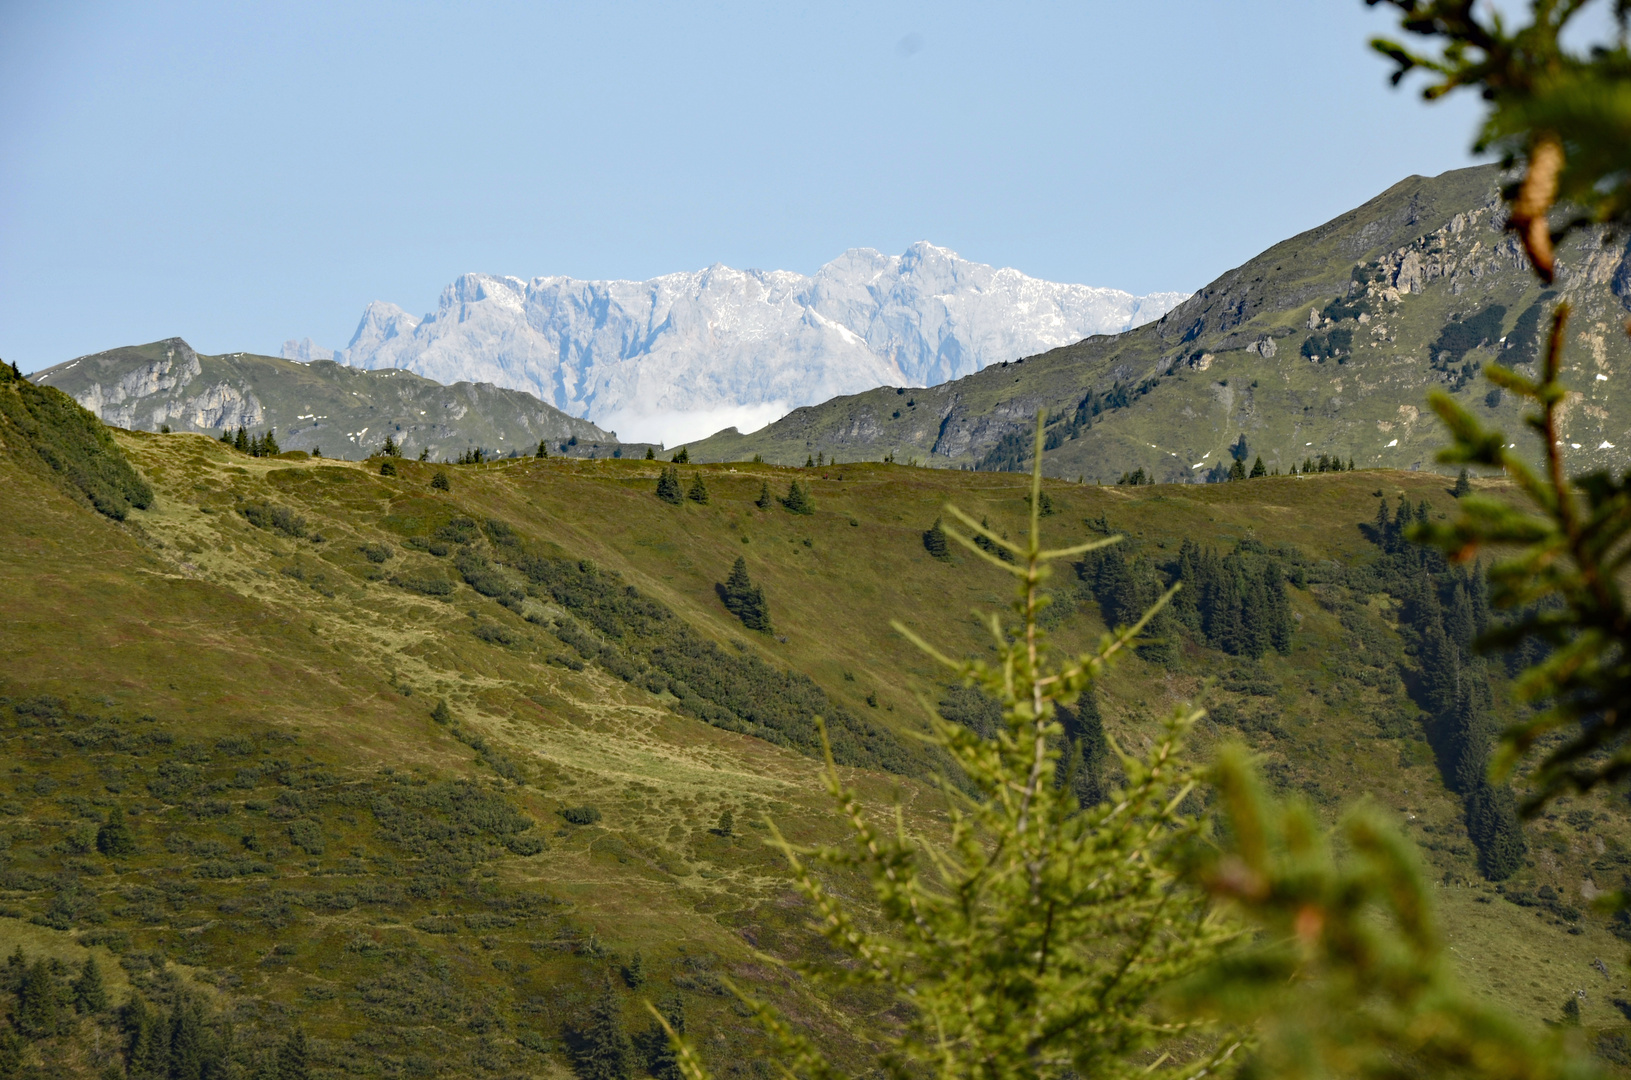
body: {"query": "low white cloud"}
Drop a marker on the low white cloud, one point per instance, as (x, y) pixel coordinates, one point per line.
(673, 428)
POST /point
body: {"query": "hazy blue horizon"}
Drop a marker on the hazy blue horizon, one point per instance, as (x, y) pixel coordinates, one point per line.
(238, 176)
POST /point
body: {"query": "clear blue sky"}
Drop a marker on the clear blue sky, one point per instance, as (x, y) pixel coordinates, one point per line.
(240, 174)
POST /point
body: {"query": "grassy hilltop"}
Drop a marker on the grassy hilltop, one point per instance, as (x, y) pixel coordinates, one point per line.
(252, 669)
(1326, 343)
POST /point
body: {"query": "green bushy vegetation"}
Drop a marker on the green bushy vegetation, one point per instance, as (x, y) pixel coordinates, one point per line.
(73, 443)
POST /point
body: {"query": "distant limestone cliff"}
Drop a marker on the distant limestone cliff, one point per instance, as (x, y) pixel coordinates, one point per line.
(691, 353)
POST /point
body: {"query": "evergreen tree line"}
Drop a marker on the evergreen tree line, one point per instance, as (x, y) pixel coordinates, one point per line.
(1236, 602)
(264, 445)
(1445, 609)
(669, 490)
(45, 1002)
(1085, 767)
(184, 1042)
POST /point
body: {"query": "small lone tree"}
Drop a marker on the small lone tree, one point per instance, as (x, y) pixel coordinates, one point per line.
(424, 453)
(634, 972)
(698, 491)
(1463, 485)
(114, 838)
(1237, 471)
(727, 823)
(934, 542)
(809, 462)
(651, 454)
(668, 486)
(744, 599)
(440, 481)
(1258, 468)
(798, 499)
(387, 467)
(764, 500)
(543, 449)
(442, 714)
(389, 449)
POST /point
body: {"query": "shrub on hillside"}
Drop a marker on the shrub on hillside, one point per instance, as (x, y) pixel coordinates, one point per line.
(72, 442)
(264, 515)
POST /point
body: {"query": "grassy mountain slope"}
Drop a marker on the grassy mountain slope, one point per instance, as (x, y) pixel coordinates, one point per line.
(1325, 343)
(345, 412)
(249, 669)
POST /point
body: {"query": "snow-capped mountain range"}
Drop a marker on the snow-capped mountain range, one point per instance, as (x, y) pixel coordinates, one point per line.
(683, 355)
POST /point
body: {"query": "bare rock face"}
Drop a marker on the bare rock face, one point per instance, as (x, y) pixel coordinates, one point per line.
(627, 353)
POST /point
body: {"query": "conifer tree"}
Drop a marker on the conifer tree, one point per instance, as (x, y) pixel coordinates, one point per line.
(651, 454)
(809, 461)
(543, 449)
(1086, 754)
(387, 467)
(744, 599)
(798, 499)
(634, 972)
(389, 449)
(114, 837)
(764, 500)
(698, 491)
(424, 452)
(291, 1057)
(1463, 485)
(187, 1040)
(1237, 471)
(1350, 464)
(681, 457)
(727, 823)
(1258, 468)
(240, 442)
(440, 482)
(602, 1049)
(934, 542)
(37, 1015)
(90, 996)
(226, 436)
(11, 1054)
(656, 1052)
(16, 967)
(269, 446)
(668, 486)
(442, 714)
